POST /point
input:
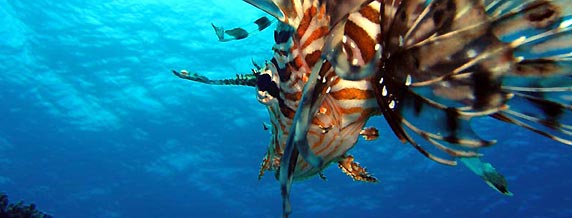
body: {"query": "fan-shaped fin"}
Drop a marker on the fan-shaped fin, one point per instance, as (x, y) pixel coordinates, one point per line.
(548, 118)
(441, 123)
(540, 33)
(446, 45)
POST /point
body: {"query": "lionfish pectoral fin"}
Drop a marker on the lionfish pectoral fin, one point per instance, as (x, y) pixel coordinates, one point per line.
(488, 173)
(541, 79)
(354, 170)
(276, 8)
(338, 10)
(440, 132)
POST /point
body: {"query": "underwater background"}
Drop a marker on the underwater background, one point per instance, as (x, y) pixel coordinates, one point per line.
(94, 124)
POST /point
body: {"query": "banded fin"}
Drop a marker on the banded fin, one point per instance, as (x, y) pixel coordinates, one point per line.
(547, 118)
(291, 11)
(431, 45)
(241, 32)
(354, 170)
(240, 79)
(451, 69)
(488, 173)
(540, 34)
(287, 11)
(447, 129)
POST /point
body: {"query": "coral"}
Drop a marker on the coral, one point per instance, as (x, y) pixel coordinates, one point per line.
(19, 210)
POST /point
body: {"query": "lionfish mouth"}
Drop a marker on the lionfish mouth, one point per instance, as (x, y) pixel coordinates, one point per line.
(428, 67)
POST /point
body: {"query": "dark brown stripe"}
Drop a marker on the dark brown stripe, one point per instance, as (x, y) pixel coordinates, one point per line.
(293, 96)
(370, 13)
(313, 58)
(364, 42)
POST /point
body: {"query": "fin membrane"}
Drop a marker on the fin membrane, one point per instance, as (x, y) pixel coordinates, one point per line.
(354, 170)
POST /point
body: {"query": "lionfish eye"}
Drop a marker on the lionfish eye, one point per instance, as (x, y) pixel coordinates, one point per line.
(265, 83)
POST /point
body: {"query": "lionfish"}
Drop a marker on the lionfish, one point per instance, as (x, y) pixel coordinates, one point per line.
(427, 66)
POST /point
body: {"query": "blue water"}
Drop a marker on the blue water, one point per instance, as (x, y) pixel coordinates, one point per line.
(93, 124)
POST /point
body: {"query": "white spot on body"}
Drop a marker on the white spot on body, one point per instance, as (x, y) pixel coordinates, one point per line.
(471, 53)
(408, 80)
(384, 91)
(355, 61)
(392, 104)
(329, 89)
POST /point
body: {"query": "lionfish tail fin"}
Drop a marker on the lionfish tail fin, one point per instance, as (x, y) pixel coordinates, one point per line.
(488, 173)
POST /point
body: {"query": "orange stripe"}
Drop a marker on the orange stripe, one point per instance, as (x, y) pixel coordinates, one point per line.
(320, 152)
(351, 110)
(316, 34)
(352, 93)
(298, 61)
(306, 20)
(296, 96)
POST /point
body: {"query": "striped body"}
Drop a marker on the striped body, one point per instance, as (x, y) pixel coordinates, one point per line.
(345, 105)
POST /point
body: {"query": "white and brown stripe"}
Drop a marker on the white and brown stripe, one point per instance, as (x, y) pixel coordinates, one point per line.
(347, 104)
